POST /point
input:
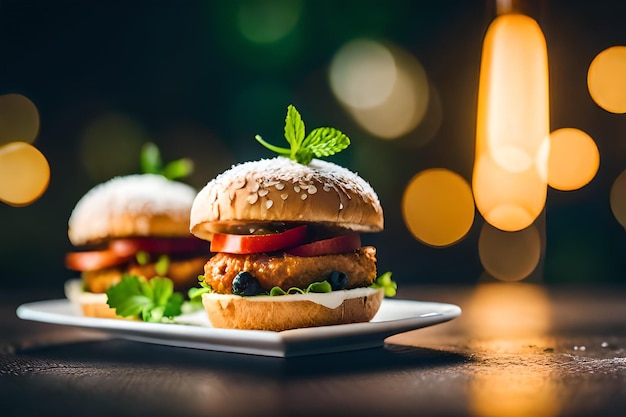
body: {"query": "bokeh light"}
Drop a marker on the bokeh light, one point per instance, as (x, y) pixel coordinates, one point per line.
(512, 125)
(606, 79)
(437, 206)
(24, 173)
(532, 391)
(574, 159)
(19, 119)
(509, 256)
(111, 134)
(508, 309)
(508, 201)
(268, 21)
(362, 74)
(384, 88)
(618, 198)
(511, 318)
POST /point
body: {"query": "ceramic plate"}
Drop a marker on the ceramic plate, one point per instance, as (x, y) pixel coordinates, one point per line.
(195, 331)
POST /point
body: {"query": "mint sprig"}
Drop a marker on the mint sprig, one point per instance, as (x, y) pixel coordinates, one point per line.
(321, 142)
(152, 163)
(151, 300)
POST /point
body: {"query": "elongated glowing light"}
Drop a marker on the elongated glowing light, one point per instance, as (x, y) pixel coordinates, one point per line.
(512, 130)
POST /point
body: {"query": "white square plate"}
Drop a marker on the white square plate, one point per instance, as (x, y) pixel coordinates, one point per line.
(195, 331)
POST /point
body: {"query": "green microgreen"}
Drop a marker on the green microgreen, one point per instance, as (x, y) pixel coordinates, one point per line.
(320, 142)
(315, 287)
(142, 257)
(162, 265)
(385, 282)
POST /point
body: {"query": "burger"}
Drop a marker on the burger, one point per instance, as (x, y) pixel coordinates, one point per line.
(287, 247)
(135, 225)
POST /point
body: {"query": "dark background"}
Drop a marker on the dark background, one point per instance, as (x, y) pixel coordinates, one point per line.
(182, 72)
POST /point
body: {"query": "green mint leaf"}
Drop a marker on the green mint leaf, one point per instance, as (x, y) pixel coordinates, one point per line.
(152, 300)
(151, 163)
(294, 128)
(150, 159)
(128, 297)
(326, 141)
(162, 265)
(152, 314)
(304, 156)
(179, 168)
(173, 306)
(323, 141)
(162, 290)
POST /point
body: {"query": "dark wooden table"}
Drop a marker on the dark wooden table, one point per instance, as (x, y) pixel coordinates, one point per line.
(517, 350)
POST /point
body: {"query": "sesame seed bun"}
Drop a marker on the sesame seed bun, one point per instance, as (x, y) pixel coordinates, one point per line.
(282, 190)
(132, 206)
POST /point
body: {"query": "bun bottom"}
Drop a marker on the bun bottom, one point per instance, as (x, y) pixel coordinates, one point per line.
(292, 311)
(90, 304)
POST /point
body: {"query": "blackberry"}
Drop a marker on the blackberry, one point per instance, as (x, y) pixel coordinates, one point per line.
(338, 280)
(245, 284)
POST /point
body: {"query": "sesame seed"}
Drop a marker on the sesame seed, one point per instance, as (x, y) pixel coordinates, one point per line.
(312, 189)
(263, 192)
(281, 173)
(239, 183)
(303, 196)
(269, 204)
(252, 198)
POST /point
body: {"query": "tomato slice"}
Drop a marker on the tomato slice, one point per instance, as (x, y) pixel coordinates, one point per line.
(130, 246)
(258, 243)
(94, 260)
(338, 244)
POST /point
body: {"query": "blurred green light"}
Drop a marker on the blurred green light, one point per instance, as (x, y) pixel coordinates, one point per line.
(267, 21)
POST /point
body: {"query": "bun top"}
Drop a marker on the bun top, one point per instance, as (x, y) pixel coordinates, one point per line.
(282, 190)
(131, 206)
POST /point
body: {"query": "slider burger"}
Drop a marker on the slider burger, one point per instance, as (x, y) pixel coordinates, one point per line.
(287, 247)
(137, 225)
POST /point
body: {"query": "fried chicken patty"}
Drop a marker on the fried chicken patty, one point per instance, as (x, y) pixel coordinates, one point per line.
(287, 271)
(183, 272)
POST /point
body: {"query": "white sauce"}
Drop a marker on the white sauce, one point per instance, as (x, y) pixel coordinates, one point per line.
(330, 300)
